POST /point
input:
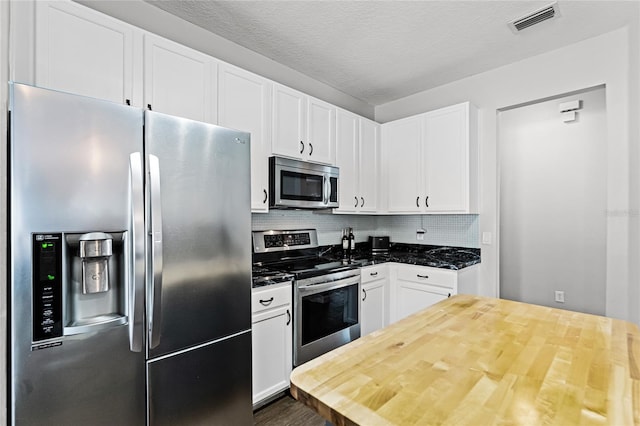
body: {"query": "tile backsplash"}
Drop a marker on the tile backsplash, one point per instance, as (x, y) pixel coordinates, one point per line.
(446, 230)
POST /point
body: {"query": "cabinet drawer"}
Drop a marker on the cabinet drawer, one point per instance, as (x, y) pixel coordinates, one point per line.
(372, 273)
(270, 298)
(426, 275)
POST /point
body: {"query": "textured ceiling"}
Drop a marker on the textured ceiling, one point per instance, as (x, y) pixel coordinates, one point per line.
(379, 51)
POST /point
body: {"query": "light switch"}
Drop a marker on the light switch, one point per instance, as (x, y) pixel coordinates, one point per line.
(486, 238)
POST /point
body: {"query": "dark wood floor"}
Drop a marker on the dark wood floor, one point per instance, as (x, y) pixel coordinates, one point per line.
(287, 411)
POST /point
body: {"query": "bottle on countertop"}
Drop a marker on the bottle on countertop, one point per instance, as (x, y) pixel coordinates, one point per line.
(352, 242)
(345, 243)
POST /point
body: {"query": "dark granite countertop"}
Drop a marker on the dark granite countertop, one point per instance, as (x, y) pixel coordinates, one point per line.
(445, 257)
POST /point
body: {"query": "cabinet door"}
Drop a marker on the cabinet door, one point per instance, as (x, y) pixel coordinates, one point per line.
(244, 103)
(347, 160)
(402, 140)
(271, 352)
(413, 297)
(446, 158)
(179, 81)
(289, 116)
(373, 307)
(85, 52)
(321, 132)
(369, 167)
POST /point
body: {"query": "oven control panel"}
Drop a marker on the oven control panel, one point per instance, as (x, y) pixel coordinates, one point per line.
(278, 240)
(290, 240)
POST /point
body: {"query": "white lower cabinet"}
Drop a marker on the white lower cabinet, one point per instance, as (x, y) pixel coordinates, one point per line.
(272, 347)
(414, 288)
(374, 312)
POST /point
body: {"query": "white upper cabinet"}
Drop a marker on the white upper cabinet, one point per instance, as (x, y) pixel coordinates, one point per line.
(451, 159)
(244, 103)
(357, 152)
(369, 150)
(321, 131)
(289, 117)
(347, 134)
(303, 127)
(432, 161)
(81, 51)
(402, 140)
(179, 81)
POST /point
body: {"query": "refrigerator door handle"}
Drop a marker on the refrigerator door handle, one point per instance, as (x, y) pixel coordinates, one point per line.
(137, 270)
(155, 211)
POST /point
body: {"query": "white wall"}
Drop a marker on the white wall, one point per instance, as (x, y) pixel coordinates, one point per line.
(610, 59)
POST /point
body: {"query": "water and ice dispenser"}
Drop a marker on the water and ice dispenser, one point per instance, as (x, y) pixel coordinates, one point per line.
(80, 283)
(95, 252)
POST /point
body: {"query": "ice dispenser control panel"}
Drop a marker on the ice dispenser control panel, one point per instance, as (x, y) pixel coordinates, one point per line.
(47, 286)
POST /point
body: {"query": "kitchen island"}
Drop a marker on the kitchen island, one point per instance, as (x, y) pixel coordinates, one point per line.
(481, 361)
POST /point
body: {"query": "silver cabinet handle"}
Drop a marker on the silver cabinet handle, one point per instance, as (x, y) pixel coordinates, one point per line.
(310, 148)
(266, 302)
(356, 205)
(136, 272)
(288, 317)
(155, 232)
(301, 147)
(266, 196)
(417, 201)
(362, 204)
(365, 294)
(422, 276)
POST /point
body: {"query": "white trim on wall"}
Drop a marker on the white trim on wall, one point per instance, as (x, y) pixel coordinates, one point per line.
(4, 77)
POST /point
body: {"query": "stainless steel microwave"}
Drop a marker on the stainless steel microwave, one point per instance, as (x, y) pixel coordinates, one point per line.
(302, 185)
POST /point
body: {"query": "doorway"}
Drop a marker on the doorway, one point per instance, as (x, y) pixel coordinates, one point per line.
(553, 201)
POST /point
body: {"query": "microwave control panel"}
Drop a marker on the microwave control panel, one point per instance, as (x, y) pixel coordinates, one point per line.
(47, 286)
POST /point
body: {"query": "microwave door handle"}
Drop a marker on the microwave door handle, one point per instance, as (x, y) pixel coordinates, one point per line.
(155, 289)
(136, 257)
(325, 196)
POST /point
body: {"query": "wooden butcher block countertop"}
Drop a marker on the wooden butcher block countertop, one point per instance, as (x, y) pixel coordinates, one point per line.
(481, 361)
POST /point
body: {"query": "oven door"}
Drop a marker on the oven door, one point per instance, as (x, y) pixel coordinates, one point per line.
(327, 314)
(299, 184)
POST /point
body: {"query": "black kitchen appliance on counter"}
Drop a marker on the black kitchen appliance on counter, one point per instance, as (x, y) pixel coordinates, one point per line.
(379, 245)
(326, 292)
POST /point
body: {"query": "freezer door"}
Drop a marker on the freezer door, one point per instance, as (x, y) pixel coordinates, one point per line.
(208, 385)
(70, 175)
(199, 227)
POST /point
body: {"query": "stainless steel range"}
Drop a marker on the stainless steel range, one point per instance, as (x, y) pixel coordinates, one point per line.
(325, 291)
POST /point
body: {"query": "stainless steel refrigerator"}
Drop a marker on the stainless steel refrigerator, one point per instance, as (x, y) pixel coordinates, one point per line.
(130, 265)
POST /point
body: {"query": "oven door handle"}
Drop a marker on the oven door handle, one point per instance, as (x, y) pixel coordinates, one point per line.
(305, 289)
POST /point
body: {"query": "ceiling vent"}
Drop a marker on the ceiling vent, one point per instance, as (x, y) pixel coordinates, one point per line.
(533, 18)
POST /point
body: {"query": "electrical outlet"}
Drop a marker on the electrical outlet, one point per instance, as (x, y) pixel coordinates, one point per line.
(559, 296)
(420, 234)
